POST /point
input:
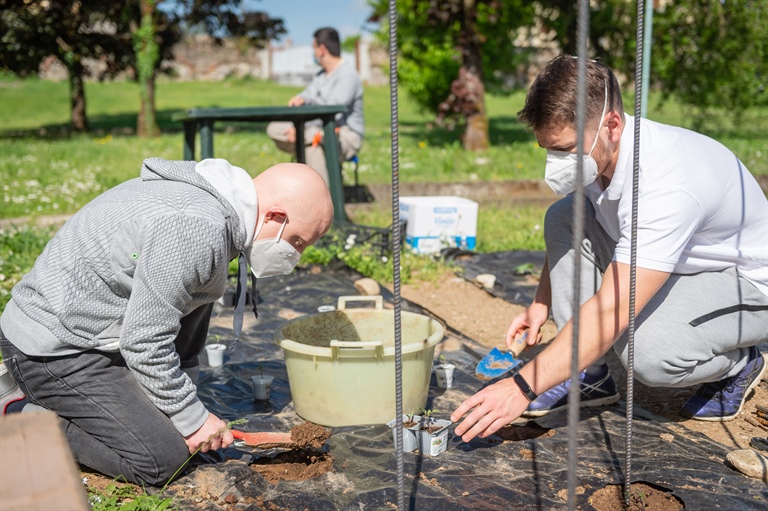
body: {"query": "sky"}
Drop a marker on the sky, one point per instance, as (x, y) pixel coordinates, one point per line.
(302, 17)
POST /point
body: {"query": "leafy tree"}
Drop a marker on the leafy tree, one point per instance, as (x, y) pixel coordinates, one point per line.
(709, 55)
(712, 55)
(452, 51)
(71, 30)
(132, 34)
(218, 18)
(349, 44)
(611, 30)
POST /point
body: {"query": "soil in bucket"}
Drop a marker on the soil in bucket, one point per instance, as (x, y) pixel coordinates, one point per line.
(302, 462)
(644, 497)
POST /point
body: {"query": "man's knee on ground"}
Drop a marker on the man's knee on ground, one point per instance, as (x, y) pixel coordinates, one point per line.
(160, 468)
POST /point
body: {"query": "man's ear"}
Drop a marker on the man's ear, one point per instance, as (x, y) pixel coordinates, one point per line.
(275, 213)
(614, 122)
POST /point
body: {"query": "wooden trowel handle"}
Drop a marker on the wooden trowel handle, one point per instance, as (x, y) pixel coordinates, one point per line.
(262, 438)
(519, 345)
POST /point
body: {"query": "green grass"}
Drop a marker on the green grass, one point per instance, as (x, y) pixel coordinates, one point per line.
(45, 170)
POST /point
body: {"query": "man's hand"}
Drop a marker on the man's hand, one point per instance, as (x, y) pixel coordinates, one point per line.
(290, 134)
(492, 408)
(212, 435)
(296, 101)
(531, 319)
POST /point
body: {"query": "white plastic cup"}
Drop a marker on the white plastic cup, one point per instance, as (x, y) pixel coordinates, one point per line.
(261, 386)
(444, 375)
(215, 354)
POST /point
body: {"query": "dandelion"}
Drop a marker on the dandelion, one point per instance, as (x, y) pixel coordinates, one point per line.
(519, 165)
(384, 259)
(422, 144)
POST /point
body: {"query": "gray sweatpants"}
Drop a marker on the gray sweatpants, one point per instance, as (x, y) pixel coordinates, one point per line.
(696, 329)
(110, 423)
(349, 144)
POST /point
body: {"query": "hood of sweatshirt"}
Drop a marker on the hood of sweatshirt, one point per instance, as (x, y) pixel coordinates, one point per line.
(230, 185)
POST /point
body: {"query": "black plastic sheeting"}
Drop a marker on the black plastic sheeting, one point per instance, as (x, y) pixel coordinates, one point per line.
(526, 471)
(515, 271)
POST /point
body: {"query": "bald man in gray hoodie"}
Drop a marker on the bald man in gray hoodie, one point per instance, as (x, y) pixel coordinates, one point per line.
(106, 329)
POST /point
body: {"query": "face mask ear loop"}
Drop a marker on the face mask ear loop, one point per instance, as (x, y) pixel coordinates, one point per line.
(258, 230)
(280, 232)
(602, 117)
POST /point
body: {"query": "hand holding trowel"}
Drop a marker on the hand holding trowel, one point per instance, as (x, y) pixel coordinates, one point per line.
(497, 362)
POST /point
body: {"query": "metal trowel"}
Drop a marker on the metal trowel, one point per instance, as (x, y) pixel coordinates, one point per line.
(497, 362)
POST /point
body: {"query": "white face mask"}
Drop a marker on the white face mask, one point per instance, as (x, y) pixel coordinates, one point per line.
(561, 167)
(272, 257)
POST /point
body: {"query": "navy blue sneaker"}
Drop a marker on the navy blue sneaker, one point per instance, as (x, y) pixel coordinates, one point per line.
(596, 390)
(722, 400)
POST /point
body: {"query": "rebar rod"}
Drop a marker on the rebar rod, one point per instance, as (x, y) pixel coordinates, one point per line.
(574, 393)
(633, 254)
(396, 252)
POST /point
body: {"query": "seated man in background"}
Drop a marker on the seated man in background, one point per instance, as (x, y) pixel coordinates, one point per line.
(106, 329)
(337, 83)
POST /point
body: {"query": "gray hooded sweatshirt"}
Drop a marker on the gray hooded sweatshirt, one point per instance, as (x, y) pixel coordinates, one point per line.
(122, 273)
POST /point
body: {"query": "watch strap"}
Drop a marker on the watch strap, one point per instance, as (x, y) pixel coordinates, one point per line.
(524, 387)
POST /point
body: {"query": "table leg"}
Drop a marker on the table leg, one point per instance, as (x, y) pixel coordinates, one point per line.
(190, 132)
(300, 147)
(332, 163)
(206, 139)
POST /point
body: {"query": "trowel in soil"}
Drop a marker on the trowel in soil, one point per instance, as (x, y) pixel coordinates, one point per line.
(263, 439)
(497, 362)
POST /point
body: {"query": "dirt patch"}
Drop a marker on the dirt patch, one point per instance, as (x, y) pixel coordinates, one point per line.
(580, 490)
(531, 430)
(468, 308)
(298, 465)
(643, 497)
(310, 435)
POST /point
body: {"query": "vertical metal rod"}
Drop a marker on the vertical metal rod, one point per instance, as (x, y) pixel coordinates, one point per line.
(647, 38)
(396, 252)
(574, 394)
(633, 254)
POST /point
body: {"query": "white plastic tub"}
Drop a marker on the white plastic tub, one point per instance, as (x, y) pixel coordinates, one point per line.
(341, 364)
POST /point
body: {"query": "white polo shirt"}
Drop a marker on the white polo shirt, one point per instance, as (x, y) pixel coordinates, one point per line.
(699, 208)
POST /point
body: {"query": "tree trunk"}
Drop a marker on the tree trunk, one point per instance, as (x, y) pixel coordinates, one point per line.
(471, 74)
(147, 56)
(78, 118)
(147, 121)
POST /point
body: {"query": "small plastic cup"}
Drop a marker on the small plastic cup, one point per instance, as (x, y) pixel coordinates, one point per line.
(444, 375)
(261, 386)
(487, 280)
(215, 354)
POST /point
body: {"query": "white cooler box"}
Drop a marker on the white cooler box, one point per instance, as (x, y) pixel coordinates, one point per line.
(438, 222)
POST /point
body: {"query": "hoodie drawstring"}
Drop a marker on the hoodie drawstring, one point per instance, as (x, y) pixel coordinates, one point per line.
(242, 288)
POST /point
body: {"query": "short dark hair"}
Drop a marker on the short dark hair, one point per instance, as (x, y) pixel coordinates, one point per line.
(552, 98)
(329, 38)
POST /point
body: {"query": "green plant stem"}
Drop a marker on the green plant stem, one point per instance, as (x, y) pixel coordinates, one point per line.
(220, 431)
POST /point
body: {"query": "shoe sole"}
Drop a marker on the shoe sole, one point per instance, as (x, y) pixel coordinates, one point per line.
(727, 418)
(592, 403)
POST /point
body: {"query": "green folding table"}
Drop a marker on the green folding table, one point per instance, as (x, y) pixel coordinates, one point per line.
(201, 120)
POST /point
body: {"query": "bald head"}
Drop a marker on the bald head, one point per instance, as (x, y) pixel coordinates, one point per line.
(302, 194)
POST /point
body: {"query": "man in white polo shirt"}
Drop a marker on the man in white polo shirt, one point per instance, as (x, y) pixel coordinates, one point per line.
(701, 299)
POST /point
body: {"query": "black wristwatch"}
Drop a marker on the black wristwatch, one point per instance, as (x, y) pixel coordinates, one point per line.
(530, 394)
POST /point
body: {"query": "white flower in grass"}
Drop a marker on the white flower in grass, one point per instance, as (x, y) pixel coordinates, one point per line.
(384, 259)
